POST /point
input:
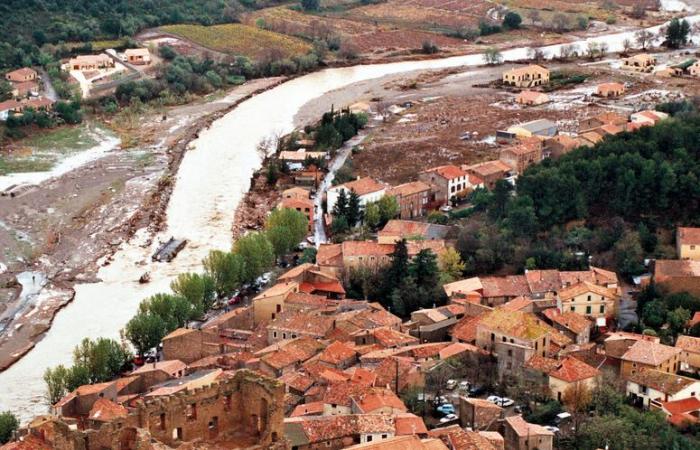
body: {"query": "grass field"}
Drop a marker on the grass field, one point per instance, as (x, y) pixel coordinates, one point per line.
(240, 39)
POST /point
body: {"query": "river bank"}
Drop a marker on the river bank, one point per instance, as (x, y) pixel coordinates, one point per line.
(210, 183)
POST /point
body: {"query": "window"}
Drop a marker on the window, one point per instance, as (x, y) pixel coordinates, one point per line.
(493, 337)
(588, 309)
(384, 436)
(602, 309)
(510, 352)
(227, 402)
(161, 421)
(191, 411)
(589, 298)
(573, 309)
(504, 339)
(369, 438)
(278, 308)
(274, 334)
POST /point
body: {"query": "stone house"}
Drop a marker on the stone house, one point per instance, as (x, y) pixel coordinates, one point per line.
(479, 414)
(22, 75)
(688, 243)
(526, 77)
(532, 98)
(690, 357)
(446, 181)
(367, 189)
(649, 355)
(642, 62)
(521, 435)
(648, 387)
(413, 198)
(608, 90)
(569, 373)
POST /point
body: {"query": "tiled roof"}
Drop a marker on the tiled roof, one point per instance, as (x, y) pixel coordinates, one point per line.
(584, 287)
(408, 423)
(362, 376)
(376, 399)
(685, 405)
(303, 323)
(524, 429)
(541, 364)
(457, 348)
(363, 186)
(448, 172)
(458, 439)
(514, 323)
(23, 72)
(308, 430)
(410, 228)
(487, 168)
(401, 443)
(527, 70)
(650, 353)
(297, 381)
(336, 353)
(104, 410)
(688, 343)
(389, 337)
(569, 320)
(517, 304)
(308, 409)
(406, 189)
(666, 268)
(329, 254)
(532, 96)
(572, 370)
(664, 382)
(89, 389)
(688, 236)
(610, 86)
(172, 366)
(465, 329)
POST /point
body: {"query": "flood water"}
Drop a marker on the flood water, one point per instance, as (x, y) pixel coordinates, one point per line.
(211, 182)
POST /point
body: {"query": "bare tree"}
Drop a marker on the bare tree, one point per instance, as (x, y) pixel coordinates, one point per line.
(383, 110)
(644, 38)
(626, 46)
(593, 49)
(492, 56)
(568, 51)
(536, 54)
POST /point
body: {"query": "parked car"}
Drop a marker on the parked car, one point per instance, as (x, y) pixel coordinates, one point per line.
(442, 400)
(505, 402)
(463, 385)
(446, 408)
(493, 399)
(451, 384)
(448, 418)
(552, 428)
(477, 390)
(446, 208)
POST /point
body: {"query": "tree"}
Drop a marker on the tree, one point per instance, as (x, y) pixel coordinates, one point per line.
(55, 380)
(372, 215)
(388, 209)
(677, 33)
(677, 319)
(577, 398)
(561, 22)
(407, 297)
(225, 270)
(340, 209)
(512, 20)
(145, 331)
(500, 198)
(285, 228)
(103, 358)
(629, 254)
(8, 425)
(5, 90)
(353, 213)
(174, 310)
(424, 269)
(339, 226)
(644, 38)
(200, 290)
(492, 56)
(257, 255)
(451, 266)
(520, 216)
(398, 268)
(308, 255)
(310, 5)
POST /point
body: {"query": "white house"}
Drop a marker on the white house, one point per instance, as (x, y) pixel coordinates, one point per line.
(368, 189)
(647, 386)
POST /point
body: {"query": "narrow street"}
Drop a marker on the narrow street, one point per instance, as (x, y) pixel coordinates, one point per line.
(337, 162)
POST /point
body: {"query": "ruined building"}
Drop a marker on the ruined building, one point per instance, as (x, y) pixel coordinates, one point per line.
(240, 411)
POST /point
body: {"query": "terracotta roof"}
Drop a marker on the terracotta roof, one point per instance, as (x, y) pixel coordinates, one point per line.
(517, 304)
(28, 442)
(610, 87)
(294, 203)
(488, 168)
(362, 376)
(482, 403)
(366, 248)
(388, 337)
(297, 381)
(572, 370)
(308, 409)
(375, 399)
(532, 96)
(10, 105)
(104, 410)
(137, 52)
(650, 353)
(514, 323)
(330, 254)
(664, 382)
(408, 423)
(306, 430)
(448, 172)
(172, 366)
(336, 353)
(457, 348)
(89, 389)
(465, 329)
(569, 320)
(406, 189)
(410, 228)
(527, 70)
(668, 268)
(296, 192)
(541, 364)
(685, 405)
(23, 72)
(688, 236)
(401, 443)
(303, 323)
(362, 186)
(525, 429)
(584, 287)
(688, 343)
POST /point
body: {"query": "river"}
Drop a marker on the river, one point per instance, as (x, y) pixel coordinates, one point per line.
(211, 181)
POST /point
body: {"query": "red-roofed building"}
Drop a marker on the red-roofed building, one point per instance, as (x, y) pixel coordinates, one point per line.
(682, 413)
(489, 172)
(367, 189)
(570, 372)
(338, 355)
(304, 206)
(688, 243)
(446, 182)
(21, 75)
(521, 435)
(532, 98)
(413, 198)
(574, 325)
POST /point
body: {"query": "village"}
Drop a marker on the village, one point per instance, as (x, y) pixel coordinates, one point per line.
(378, 328)
(297, 362)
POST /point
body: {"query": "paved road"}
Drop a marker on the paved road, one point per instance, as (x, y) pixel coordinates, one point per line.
(49, 91)
(337, 162)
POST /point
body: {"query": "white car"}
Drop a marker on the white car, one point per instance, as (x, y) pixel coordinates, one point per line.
(463, 385)
(448, 418)
(451, 384)
(505, 402)
(551, 428)
(493, 399)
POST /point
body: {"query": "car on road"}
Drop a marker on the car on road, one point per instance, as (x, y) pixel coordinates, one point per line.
(447, 408)
(451, 384)
(448, 418)
(505, 402)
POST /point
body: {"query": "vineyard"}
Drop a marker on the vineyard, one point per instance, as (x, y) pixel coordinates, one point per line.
(238, 39)
(425, 14)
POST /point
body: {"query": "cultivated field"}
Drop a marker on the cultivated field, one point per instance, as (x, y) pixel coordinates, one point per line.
(240, 39)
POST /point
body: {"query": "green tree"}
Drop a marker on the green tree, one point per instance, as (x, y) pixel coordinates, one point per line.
(339, 226)
(8, 425)
(55, 380)
(76, 376)
(406, 297)
(340, 209)
(372, 215)
(520, 216)
(499, 201)
(145, 331)
(398, 268)
(225, 270)
(310, 5)
(677, 319)
(629, 254)
(512, 20)
(677, 33)
(354, 211)
(424, 269)
(257, 253)
(5, 90)
(199, 290)
(103, 358)
(388, 209)
(285, 228)
(308, 255)
(492, 56)
(174, 310)
(451, 266)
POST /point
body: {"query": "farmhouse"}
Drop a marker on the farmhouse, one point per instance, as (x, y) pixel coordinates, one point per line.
(688, 243)
(639, 63)
(447, 181)
(91, 62)
(607, 90)
(21, 75)
(525, 77)
(532, 98)
(412, 198)
(138, 56)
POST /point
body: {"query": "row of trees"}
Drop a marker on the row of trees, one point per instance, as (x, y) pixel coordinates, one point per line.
(224, 273)
(192, 295)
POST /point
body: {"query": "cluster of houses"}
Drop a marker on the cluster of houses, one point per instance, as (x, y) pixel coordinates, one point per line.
(325, 371)
(25, 93)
